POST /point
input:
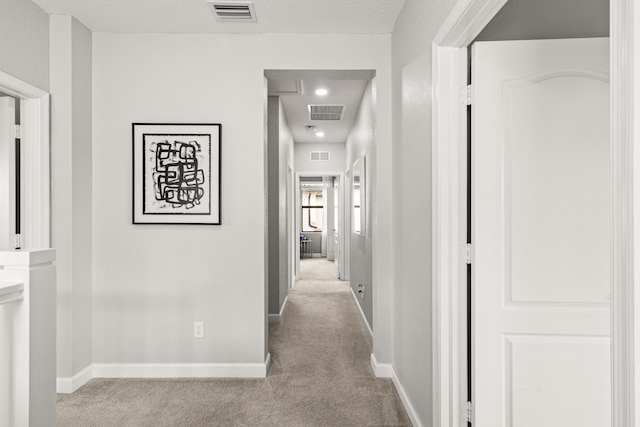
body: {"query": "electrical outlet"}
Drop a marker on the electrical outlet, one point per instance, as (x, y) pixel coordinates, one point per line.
(198, 329)
(361, 290)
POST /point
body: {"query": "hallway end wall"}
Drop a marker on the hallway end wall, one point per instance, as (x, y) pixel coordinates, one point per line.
(152, 282)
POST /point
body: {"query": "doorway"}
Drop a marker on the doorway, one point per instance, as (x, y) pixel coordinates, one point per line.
(32, 199)
(322, 121)
(322, 222)
(450, 77)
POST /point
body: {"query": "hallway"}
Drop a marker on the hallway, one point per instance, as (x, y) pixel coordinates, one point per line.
(320, 376)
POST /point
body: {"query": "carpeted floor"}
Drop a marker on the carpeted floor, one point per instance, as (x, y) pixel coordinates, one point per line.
(320, 376)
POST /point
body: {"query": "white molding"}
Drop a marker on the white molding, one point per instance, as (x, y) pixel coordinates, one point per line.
(624, 159)
(35, 160)
(163, 370)
(182, 370)
(381, 370)
(364, 318)
(448, 230)
(277, 318)
(404, 397)
(466, 20)
(385, 370)
(36, 174)
(19, 89)
(71, 384)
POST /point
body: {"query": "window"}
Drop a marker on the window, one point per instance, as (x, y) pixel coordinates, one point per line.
(312, 211)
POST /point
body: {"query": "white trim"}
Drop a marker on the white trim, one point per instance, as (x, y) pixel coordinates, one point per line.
(404, 397)
(624, 159)
(465, 22)
(182, 370)
(35, 166)
(71, 384)
(277, 318)
(381, 370)
(36, 195)
(163, 370)
(448, 228)
(385, 370)
(364, 318)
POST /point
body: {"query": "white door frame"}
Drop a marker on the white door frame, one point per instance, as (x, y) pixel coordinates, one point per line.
(35, 161)
(449, 53)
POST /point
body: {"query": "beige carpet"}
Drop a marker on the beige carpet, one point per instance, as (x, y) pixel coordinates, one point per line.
(320, 376)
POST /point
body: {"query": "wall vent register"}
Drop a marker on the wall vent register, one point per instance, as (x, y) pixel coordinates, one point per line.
(232, 11)
(320, 156)
(326, 112)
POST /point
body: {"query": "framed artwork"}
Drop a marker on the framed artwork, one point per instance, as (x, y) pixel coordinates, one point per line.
(176, 173)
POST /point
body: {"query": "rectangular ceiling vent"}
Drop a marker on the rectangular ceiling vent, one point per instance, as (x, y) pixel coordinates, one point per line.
(326, 112)
(319, 156)
(226, 11)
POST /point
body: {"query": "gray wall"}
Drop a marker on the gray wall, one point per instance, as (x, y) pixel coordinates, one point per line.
(273, 213)
(413, 33)
(361, 143)
(548, 19)
(279, 154)
(24, 42)
(163, 278)
(71, 187)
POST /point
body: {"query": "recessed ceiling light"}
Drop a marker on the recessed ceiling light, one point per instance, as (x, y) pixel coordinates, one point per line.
(321, 92)
(320, 134)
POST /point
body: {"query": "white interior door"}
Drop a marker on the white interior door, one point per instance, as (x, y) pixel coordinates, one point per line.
(7, 172)
(541, 233)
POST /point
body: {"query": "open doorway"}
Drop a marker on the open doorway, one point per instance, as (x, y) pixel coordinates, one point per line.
(526, 390)
(321, 225)
(321, 123)
(25, 190)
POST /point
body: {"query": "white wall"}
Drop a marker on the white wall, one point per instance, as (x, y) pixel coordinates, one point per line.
(24, 42)
(71, 177)
(360, 143)
(411, 49)
(305, 166)
(151, 282)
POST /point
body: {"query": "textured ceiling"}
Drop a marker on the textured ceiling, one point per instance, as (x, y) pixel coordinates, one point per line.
(194, 16)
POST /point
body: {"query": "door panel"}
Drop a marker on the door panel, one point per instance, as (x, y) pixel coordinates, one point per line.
(541, 233)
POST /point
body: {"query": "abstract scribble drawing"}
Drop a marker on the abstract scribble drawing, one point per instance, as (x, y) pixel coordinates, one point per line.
(177, 179)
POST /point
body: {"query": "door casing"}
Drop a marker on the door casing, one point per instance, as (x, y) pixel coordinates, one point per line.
(35, 161)
(449, 74)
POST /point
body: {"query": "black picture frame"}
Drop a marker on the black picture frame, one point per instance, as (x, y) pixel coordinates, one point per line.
(176, 173)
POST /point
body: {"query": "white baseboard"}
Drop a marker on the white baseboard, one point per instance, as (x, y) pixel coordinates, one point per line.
(364, 318)
(381, 370)
(411, 411)
(163, 370)
(277, 318)
(71, 384)
(385, 370)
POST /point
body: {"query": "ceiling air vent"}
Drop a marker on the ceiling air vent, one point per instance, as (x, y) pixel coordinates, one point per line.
(226, 11)
(326, 112)
(319, 156)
